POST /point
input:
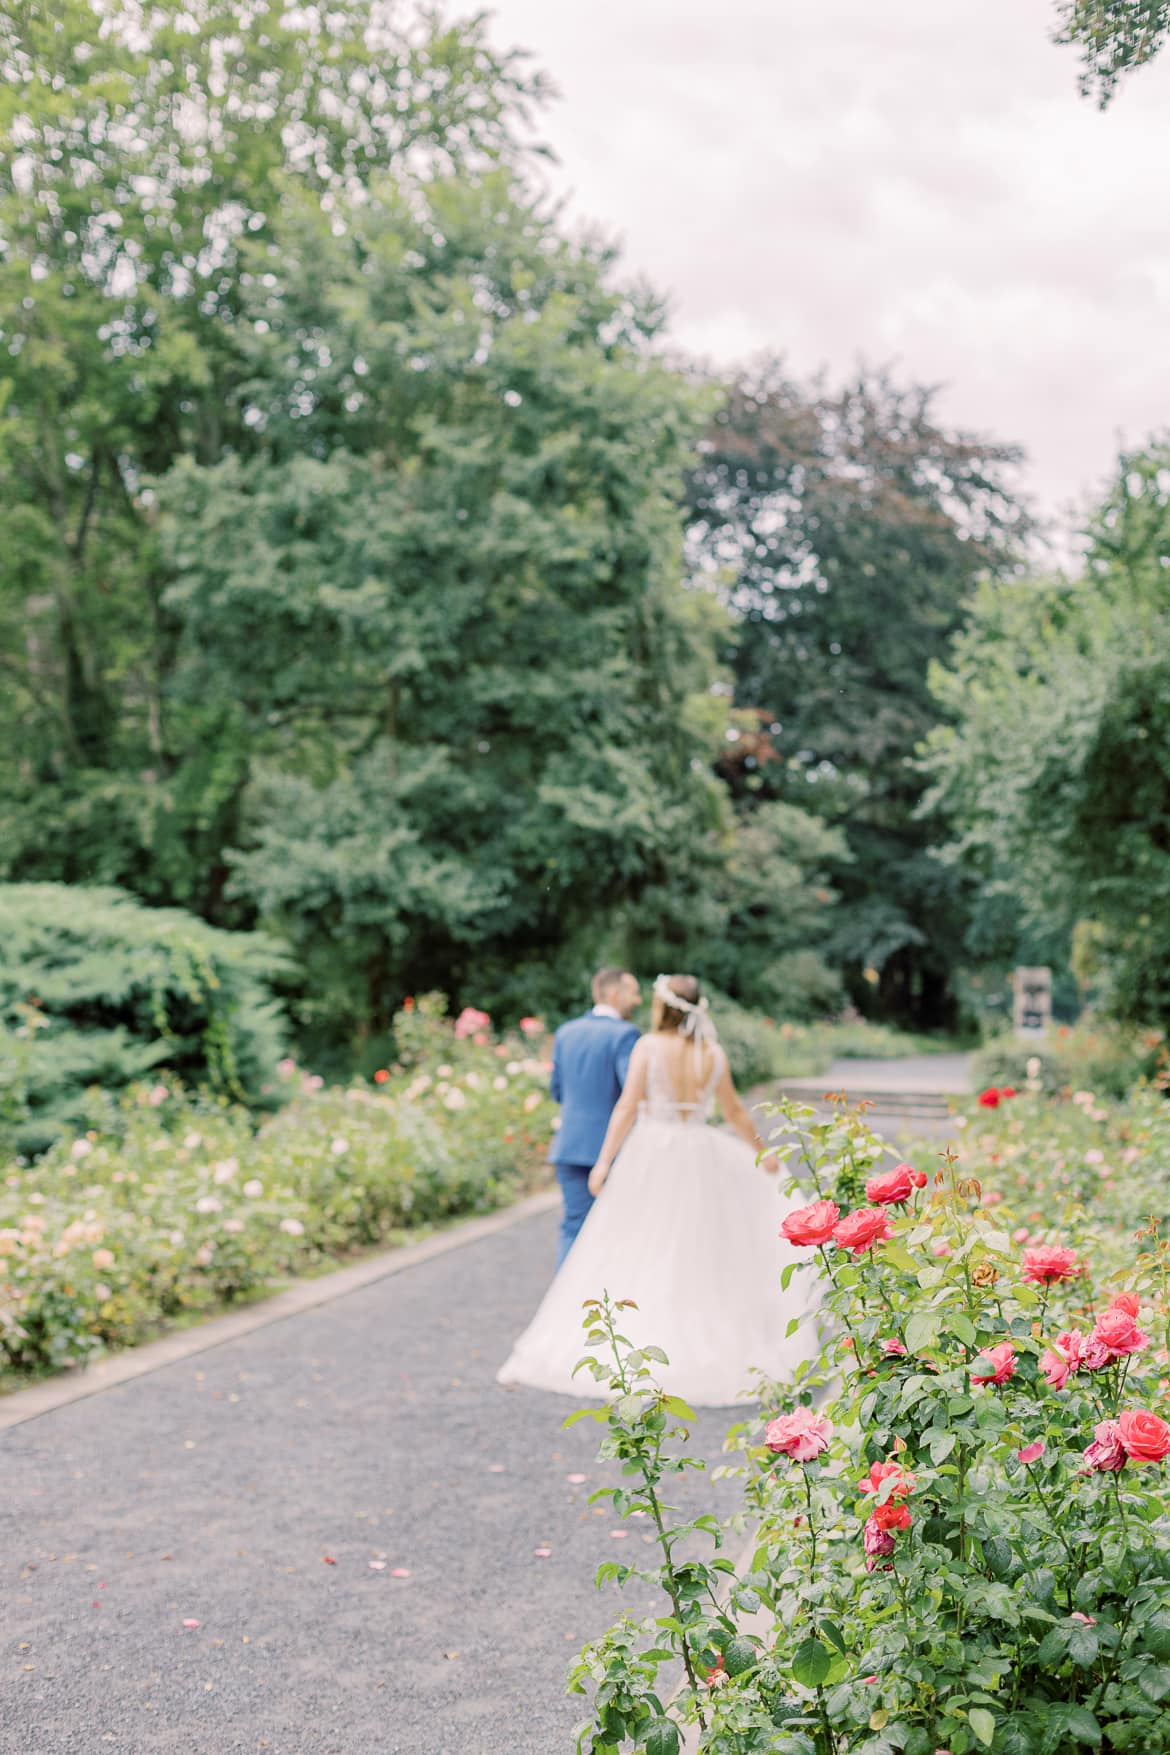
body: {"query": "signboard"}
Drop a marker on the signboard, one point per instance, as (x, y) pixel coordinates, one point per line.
(1032, 1000)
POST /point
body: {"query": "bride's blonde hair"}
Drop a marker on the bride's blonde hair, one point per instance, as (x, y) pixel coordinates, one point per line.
(684, 987)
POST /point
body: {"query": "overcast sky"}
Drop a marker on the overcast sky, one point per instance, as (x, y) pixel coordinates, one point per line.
(914, 182)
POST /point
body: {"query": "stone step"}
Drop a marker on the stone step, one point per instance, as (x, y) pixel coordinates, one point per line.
(930, 1103)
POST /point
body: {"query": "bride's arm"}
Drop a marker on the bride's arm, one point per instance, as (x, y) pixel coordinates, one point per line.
(736, 1115)
(622, 1119)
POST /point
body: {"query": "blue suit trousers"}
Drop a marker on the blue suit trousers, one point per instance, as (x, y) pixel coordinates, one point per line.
(574, 1181)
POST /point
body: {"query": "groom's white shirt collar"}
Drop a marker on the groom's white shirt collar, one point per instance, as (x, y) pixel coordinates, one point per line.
(606, 1011)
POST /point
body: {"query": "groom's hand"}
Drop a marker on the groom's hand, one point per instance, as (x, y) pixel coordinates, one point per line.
(597, 1178)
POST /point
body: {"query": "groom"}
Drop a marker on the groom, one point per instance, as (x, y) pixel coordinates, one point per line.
(591, 1056)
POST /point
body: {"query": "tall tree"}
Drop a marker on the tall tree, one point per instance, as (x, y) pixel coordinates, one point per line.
(845, 529)
(440, 606)
(1056, 767)
(141, 150)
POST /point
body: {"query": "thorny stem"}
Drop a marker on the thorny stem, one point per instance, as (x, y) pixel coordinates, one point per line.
(670, 1583)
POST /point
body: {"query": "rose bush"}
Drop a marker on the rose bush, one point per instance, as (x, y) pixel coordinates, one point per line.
(960, 1512)
(169, 1205)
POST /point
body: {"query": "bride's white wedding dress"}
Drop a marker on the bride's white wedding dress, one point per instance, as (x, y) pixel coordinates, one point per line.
(688, 1226)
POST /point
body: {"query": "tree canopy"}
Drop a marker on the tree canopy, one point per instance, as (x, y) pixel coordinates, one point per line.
(1115, 37)
(1056, 767)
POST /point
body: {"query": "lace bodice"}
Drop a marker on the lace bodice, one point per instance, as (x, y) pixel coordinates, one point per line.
(692, 1100)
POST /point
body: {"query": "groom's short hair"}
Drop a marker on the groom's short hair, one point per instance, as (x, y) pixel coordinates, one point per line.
(605, 981)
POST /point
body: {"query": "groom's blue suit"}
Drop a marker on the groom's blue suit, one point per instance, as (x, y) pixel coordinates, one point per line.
(591, 1057)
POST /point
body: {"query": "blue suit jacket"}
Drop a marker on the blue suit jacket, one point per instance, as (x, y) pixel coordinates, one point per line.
(591, 1057)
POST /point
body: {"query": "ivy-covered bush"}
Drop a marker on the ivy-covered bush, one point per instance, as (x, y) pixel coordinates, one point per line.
(962, 1539)
(98, 991)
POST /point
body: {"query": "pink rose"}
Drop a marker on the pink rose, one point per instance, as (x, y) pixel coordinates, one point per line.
(881, 1472)
(877, 1541)
(996, 1364)
(532, 1026)
(1031, 1451)
(470, 1022)
(1143, 1436)
(1056, 1365)
(1050, 1264)
(893, 1348)
(892, 1187)
(802, 1435)
(1118, 1333)
(860, 1230)
(1106, 1451)
(1127, 1301)
(813, 1225)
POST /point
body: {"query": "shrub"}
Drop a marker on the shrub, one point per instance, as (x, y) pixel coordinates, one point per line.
(175, 1205)
(967, 1547)
(1105, 1057)
(97, 990)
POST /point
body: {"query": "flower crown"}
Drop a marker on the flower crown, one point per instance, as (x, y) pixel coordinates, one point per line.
(696, 1022)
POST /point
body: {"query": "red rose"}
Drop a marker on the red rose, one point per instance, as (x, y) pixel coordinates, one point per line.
(860, 1230)
(809, 1226)
(996, 1364)
(1143, 1436)
(989, 1099)
(381, 1076)
(918, 1178)
(1050, 1263)
(408, 1003)
(890, 1516)
(1008, 1091)
(892, 1187)
(1119, 1334)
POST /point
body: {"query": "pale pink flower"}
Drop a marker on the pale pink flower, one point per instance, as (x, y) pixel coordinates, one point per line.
(1106, 1453)
(802, 1435)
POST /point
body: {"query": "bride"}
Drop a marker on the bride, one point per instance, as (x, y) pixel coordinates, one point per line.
(686, 1224)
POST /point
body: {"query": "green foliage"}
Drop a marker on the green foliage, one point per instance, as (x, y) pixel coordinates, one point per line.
(168, 1207)
(1097, 1055)
(953, 1567)
(845, 530)
(97, 990)
(1055, 768)
(1114, 37)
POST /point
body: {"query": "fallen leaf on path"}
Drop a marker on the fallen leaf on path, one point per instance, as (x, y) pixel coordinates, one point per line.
(495, 1468)
(543, 1553)
(618, 1535)
(576, 1480)
(399, 1572)
(377, 1566)
(450, 1654)
(328, 1560)
(192, 1623)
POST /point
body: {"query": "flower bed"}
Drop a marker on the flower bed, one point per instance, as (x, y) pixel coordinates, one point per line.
(169, 1206)
(963, 1542)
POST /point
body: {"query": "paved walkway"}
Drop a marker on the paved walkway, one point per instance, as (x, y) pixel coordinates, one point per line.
(168, 1544)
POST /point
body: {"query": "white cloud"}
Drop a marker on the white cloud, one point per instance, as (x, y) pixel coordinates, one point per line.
(915, 181)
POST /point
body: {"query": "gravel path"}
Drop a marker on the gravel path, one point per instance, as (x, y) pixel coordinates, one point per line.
(369, 1431)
